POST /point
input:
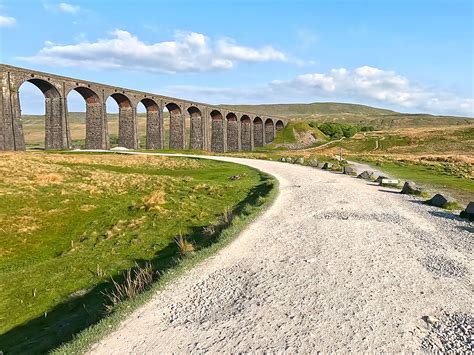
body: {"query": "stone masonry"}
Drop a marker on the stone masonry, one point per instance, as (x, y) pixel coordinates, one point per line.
(212, 128)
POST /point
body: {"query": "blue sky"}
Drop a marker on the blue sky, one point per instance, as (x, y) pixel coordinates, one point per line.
(411, 56)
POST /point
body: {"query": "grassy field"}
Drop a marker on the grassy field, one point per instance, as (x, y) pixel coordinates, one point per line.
(440, 158)
(68, 223)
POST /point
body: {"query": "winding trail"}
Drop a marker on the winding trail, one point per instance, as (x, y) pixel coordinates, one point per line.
(335, 263)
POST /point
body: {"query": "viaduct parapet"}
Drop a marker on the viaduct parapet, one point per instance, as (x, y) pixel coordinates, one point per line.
(211, 128)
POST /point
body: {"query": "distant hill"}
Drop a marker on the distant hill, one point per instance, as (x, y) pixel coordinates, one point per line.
(352, 113)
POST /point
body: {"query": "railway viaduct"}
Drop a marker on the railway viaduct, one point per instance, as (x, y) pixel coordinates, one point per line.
(212, 128)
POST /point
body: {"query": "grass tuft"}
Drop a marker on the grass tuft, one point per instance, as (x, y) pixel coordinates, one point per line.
(185, 247)
(136, 280)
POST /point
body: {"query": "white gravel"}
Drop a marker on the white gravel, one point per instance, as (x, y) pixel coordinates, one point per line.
(335, 263)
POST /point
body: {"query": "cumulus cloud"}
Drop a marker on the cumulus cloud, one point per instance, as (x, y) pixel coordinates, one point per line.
(69, 8)
(365, 84)
(6, 21)
(187, 52)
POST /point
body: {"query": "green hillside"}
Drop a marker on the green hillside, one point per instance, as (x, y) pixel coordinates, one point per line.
(352, 114)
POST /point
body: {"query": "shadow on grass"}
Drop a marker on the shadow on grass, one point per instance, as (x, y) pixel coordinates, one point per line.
(64, 321)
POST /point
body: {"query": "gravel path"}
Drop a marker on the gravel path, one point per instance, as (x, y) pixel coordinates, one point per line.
(334, 264)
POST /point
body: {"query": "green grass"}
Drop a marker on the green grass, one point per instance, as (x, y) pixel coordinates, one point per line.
(438, 177)
(94, 218)
(83, 341)
(287, 136)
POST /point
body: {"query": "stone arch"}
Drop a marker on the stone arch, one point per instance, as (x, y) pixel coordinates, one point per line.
(245, 133)
(56, 132)
(96, 132)
(176, 129)
(269, 130)
(258, 139)
(217, 131)
(127, 122)
(196, 136)
(279, 125)
(232, 132)
(154, 124)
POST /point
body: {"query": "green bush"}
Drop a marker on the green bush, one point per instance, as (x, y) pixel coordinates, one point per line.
(337, 130)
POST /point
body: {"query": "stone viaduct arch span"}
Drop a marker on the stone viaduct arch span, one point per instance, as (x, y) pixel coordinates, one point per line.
(212, 128)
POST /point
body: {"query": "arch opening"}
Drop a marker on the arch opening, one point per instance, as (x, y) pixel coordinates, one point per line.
(217, 132)
(279, 125)
(196, 129)
(246, 133)
(87, 128)
(232, 132)
(258, 138)
(39, 131)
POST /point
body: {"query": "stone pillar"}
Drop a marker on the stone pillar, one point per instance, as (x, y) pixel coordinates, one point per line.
(154, 123)
(258, 133)
(232, 135)
(196, 132)
(269, 132)
(96, 127)
(177, 128)
(128, 136)
(11, 129)
(217, 135)
(55, 124)
(246, 135)
(239, 135)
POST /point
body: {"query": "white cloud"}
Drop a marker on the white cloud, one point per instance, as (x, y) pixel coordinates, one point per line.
(69, 8)
(6, 21)
(365, 84)
(187, 52)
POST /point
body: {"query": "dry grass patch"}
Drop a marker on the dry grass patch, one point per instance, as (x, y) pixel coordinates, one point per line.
(154, 200)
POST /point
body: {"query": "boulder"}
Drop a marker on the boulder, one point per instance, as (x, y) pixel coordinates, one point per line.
(283, 159)
(327, 166)
(468, 213)
(410, 188)
(380, 178)
(300, 161)
(389, 182)
(438, 200)
(366, 175)
(349, 170)
(313, 163)
(321, 165)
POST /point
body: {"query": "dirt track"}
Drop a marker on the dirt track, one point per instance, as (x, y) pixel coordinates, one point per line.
(335, 264)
